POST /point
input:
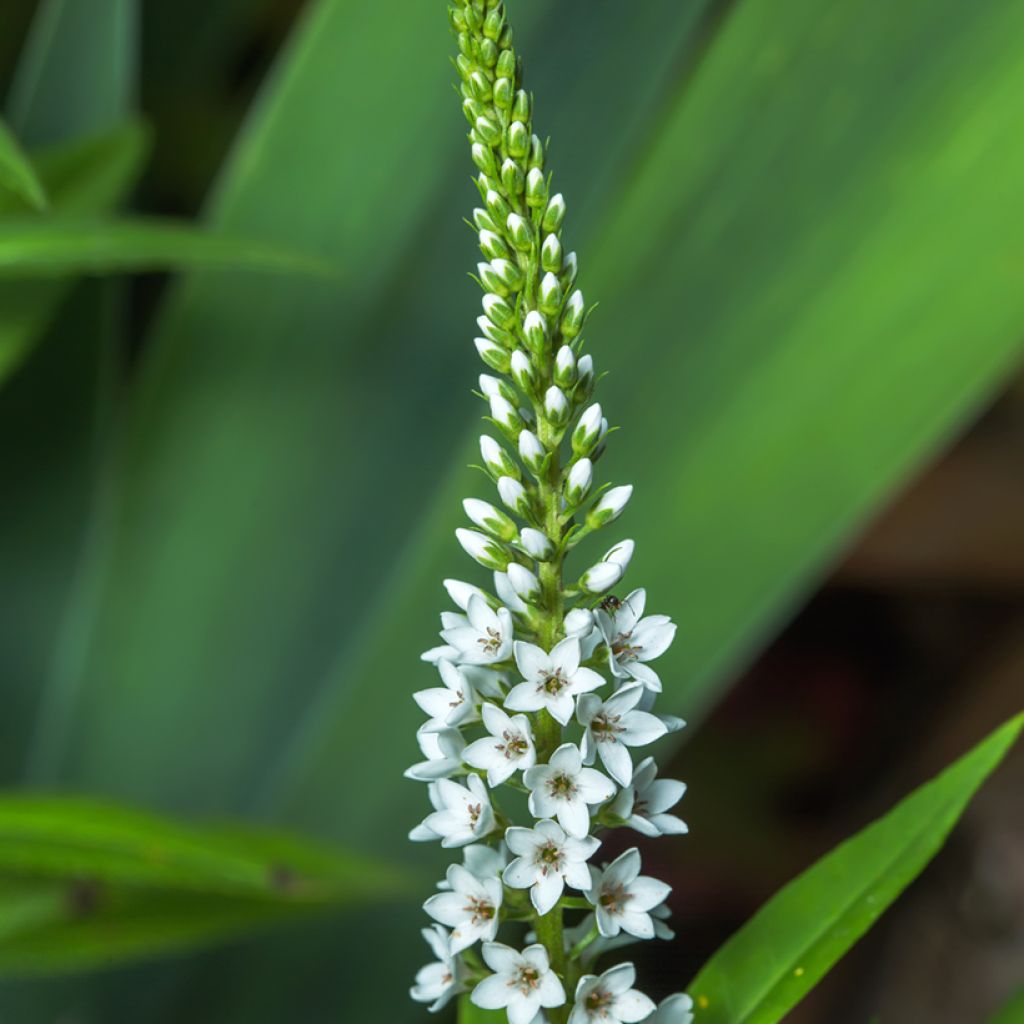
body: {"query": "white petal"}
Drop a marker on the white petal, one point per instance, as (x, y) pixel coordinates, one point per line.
(577, 874)
(586, 707)
(619, 979)
(565, 655)
(633, 1006)
(447, 907)
(669, 825)
(500, 958)
(566, 758)
(574, 817)
(560, 707)
(595, 787)
(525, 697)
(551, 992)
(636, 923)
(646, 892)
(531, 661)
(662, 794)
(586, 679)
(616, 759)
(521, 873)
(495, 720)
(546, 892)
(653, 640)
(624, 869)
(641, 728)
(492, 993)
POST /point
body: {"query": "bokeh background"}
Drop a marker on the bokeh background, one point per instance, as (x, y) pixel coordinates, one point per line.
(228, 500)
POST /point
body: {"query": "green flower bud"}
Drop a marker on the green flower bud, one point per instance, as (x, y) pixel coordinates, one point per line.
(489, 53)
(481, 86)
(535, 330)
(490, 280)
(575, 314)
(496, 334)
(565, 367)
(518, 140)
(472, 109)
(570, 267)
(522, 371)
(474, 19)
(550, 295)
(520, 232)
(497, 207)
(550, 253)
(536, 153)
(464, 66)
(494, 24)
(554, 214)
(536, 188)
(496, 357)
(466, 45)
(503, 93)
(521, 108)
(483, 157)
(483, 221)
(457, 17)
(509, 274)
(506, 66)
(493, 246)
(497, 461)
(513, 178)
(499, 312)
(487, 131)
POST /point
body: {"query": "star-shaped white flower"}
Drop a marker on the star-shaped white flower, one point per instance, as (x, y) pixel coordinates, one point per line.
(623, 898)
(443, 753)
(438, 982)
(564, 789)
(522, 983)
(546, 861)
(551, 680)
(677, 1009)
(508, 749)
(634, 641)
(486, 637)
(463, 814)
(644, 804)
(610, 998)
(614, 725)
(469, 907)
(449, 705)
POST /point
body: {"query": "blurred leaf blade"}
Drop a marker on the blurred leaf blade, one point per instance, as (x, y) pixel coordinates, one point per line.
(775, 959)
(1012, 1012)
(471, 1014)
(17, 173)
(61, 248)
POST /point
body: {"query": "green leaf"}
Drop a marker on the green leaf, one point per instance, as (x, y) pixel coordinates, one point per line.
(470, 1014)
(1012, 1012)
(17, 173)
(767, 967)
(60, 248)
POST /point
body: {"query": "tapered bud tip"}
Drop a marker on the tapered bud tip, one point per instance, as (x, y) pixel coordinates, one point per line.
(530, 448)
(482, 549)
(489, 386)
(535, 544)
(621, 554)
(610, 506)
(579, 622)
(524, 583)
(556, 405)
(555, 213)
(511, 492)
(581, 476)
(600, 578)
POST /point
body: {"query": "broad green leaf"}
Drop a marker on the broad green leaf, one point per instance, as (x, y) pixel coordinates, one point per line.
(16, 172)
(1012, 1012)
(61, 248)
(67, 837)
(470, 1014)
(775, 959)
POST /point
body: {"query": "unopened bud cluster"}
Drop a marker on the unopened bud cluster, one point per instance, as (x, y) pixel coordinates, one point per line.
(545, 686)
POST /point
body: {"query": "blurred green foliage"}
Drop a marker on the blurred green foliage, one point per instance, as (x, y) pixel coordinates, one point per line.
(224, 526)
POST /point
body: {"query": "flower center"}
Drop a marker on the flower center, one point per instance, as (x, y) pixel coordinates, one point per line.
(526, 979)
(562, 786)
(599, 1002)
(549, 858)
(479, 910)
(554, 683)
(474, 811)
(623, 649)
(614, 898)
(490, 643)
(514, 745)
(605, 727)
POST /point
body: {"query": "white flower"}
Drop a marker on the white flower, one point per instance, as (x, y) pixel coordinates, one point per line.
(470, 907)
(464, 815)
(623, 898)
(610, 998)
(484, 861)
(438, 982)
(449, 705)
(522, 983)
(486, 638)
(546, 861)
(600, 578)
(443, 753)
(633, 641)
(551, 680)
(643, 805)
(565, 790)
(508, 749)
(422, 834)
(677, 1009)
(535, 544)
(612, 726)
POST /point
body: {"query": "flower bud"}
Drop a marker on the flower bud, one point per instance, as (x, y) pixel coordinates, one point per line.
(488, 53)
(531, 451)
(610, 507)
(496, 207)
(590, 430)
(509, 274)
(524, 583)
(490, 386)
(492, 245)
(554, 214)
(570, 268)
(520, 232)
(503, 93)
(537, 159)
(494, 23)
(621, 554)
(460, 592)
(488, 518)
(495, 333)
(484, 550)
(518, 140)
(483, 220)
(536, 544)
(506, 66)
(487, 132)
(490, 281)
(504, 413)
(536, 188)
(483, 157)
(600, 578)
(551, 296)
(464, 66)
(551, 254)
(472, 109)
(585, 371)
(522, 371)
(521, 107)
(499, 312)
(556, 406)
(575, 313)
(514, 496)
(492, 354)
(480, 86)
(579, 482)
(579, 622)
(496, 460)
(512, 177)
(565, 367)
(535, 330)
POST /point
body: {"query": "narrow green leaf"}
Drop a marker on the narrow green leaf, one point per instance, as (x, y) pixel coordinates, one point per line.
(767, 967)
(77, 838)
(60, 248)
(25, 906)
(17, 173)
(1012, 1012)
